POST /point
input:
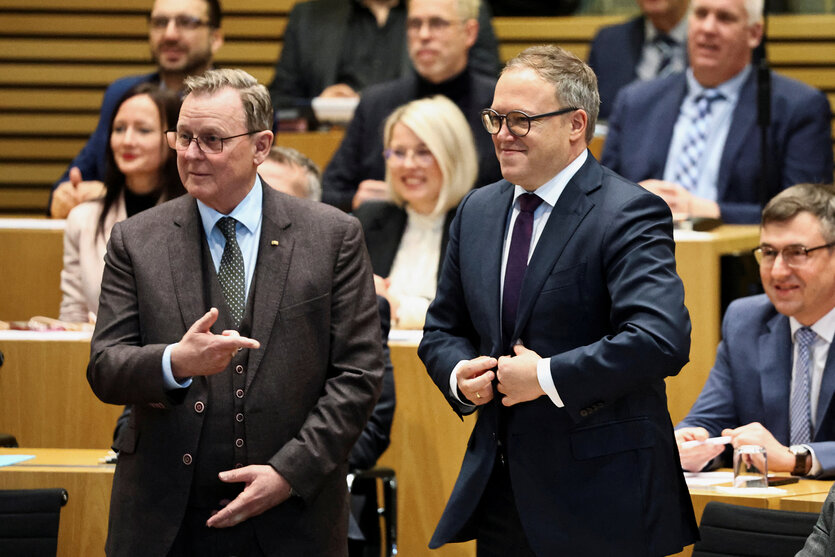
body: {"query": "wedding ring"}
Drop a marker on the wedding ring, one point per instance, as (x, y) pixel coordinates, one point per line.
(477, 395)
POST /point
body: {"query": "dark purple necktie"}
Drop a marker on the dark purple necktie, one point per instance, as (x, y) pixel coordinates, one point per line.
(517, 261)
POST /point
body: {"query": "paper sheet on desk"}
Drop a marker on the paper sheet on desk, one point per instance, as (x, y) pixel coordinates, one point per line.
(704, 479)
(405, 335)
(12, 459)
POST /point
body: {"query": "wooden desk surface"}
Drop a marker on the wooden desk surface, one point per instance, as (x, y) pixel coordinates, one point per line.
(83, 527)
(45, 400)
(807, 503)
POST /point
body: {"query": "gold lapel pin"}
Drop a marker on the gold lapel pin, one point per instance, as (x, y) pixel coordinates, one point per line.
(274, 242)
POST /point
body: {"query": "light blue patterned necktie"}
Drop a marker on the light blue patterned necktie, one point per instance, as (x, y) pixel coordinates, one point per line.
(801, 406)
(689, 160)
(231, 272)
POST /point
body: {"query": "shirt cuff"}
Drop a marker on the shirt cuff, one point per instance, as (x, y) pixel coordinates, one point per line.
(453, 385)
(816, 465)
(546, 381)
(168, 380)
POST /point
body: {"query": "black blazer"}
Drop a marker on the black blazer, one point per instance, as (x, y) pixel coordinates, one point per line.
(383, 224)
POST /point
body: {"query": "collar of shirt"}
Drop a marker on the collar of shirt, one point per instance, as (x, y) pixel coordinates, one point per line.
(677, 33)
(248, 213)
(823, 327)
(730, 89)
(551, 190)
(550, 193)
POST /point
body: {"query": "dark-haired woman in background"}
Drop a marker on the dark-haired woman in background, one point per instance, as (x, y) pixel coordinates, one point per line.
(141, 172)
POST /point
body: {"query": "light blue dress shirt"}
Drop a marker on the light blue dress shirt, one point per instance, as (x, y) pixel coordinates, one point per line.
(720, 125)
(248, 213)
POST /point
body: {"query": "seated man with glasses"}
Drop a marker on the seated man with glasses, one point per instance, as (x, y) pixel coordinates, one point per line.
(337, 48)
(773, 382)
(184, 36)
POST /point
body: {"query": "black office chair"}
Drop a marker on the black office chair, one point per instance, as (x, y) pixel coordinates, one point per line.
(29, 521)
(8, 441)
(388, 512)
(734, 530)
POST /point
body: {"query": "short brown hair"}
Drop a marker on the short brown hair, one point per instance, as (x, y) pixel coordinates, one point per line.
(573, 79)
(816, 199)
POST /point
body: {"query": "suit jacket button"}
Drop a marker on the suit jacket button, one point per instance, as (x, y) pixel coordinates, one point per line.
(198, 407)
(584, 412)
(239, 393)
(239, 417)
(239, 369)
(187, 459)
(239, 442)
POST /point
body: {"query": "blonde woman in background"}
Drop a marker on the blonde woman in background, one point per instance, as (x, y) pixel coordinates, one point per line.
(431, 164)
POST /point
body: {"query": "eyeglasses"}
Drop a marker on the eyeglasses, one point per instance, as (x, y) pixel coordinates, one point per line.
(210, 144)
(435, 24)
(189, 22)
(397, 157)
(518, 123)
(793, 256)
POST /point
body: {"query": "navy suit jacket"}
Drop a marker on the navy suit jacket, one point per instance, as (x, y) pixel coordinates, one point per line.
(751, 380)
(614, 55)
(799, 146)
(91, 160)
(601, 298)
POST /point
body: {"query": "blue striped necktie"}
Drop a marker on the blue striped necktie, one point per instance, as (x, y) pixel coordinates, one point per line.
(801, 406)
(689, 161)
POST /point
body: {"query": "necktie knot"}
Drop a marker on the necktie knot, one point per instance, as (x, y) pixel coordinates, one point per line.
(226, 225)
(528, 202)
(664, 42)
(707, 98)
(805, 337)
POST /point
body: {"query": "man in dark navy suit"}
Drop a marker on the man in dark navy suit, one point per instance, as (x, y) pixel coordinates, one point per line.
(693, 138)
(558, 315)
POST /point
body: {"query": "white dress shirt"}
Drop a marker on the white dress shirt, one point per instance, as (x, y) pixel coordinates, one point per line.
(414, 273)
(550, 193)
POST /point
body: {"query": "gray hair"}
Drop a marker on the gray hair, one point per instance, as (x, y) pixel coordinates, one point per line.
(292, 157)
(816, 199)
(754, 9)
(442, 127)
(258, 109)
(466, 9)
(573, 80)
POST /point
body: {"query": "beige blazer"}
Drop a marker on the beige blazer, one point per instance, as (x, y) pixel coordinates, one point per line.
(84, 251)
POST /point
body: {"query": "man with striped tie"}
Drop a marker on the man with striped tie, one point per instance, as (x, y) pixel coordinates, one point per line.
(773, 382)
(693, 138)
